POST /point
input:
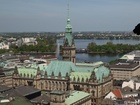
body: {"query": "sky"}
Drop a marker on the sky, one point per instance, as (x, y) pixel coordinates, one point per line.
(85, 15)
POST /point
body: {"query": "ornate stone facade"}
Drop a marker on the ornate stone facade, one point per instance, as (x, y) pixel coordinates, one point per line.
(65, 76)
(69, 50)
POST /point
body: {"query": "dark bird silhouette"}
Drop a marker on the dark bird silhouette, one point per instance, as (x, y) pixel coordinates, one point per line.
(137, 29)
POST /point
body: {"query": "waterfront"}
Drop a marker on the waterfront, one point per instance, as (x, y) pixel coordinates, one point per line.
(83, 43)
(84, 57)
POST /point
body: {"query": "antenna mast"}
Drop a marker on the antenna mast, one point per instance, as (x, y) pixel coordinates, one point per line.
(68, 8)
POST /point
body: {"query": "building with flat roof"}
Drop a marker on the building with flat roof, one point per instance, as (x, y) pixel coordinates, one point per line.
(125, 70)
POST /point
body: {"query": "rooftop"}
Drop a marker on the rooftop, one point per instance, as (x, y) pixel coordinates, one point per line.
(41, 99)
(76, 96)
(17, 101)
(21, 90)
(129, 65)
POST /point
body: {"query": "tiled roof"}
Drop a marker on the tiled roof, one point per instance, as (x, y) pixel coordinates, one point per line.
(117, 93)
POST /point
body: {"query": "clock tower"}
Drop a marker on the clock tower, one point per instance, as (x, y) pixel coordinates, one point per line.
(68, 49)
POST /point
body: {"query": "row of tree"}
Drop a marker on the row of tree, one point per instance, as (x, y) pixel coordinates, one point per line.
(109, 48)
(44, 45)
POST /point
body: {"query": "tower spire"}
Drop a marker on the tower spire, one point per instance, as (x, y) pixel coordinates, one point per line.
(68, 10)
(68, 44)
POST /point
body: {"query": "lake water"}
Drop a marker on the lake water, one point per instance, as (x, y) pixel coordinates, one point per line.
(83, 43)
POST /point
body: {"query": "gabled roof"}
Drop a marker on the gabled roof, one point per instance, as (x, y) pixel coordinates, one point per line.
(127, 90)
(60, 66)
(117, 93)
(129, 84)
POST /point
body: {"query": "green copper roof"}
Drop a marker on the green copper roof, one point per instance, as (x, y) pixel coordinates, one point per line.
(81, 72)
(90, 64)
(68, 26)
(84, 69)
(32, 70)
(80, 76)
(27, 72)
(68, 33)
(68, 38)
(76, 96)
(60, 66)
(101, 72)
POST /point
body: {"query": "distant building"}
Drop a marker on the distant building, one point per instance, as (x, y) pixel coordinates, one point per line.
(125, 70)
(114, 94)
(134, 83)
(127, 66)
(26, 41)
(9, 62)
(70, 98)
(132, 56)
(122, 96)
(4, 45)
(32, 96)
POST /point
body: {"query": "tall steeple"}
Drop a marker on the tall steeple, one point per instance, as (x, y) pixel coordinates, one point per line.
(68, 45)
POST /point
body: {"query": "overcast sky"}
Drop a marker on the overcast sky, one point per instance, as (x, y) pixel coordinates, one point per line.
(85, 15)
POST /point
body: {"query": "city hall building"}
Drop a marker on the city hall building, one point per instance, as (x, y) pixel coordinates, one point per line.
(67, 75)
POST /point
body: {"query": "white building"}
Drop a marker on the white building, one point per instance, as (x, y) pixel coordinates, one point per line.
(134, 83)
(3, 45)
